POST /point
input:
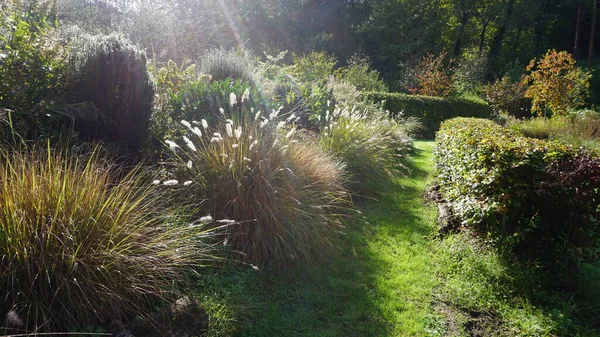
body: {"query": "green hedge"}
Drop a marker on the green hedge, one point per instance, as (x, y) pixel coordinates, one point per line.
(538, 199)
(431, 110)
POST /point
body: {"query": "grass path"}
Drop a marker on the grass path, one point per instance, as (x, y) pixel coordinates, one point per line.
(377, 281)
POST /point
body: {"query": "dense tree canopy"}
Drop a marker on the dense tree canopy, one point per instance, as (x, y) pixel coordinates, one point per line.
(392, 33)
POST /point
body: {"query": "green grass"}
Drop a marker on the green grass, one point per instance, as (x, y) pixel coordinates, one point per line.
(393, 276)
(481, 290)
(376, 280)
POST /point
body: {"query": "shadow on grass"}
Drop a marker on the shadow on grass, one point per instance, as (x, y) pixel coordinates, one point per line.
(368, 284)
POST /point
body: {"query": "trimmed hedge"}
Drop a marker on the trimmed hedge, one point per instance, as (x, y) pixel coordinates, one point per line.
(431, 110)
(535, 198)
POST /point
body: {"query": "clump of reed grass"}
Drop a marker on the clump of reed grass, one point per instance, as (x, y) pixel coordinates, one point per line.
(369, 143)
(281, 198)
(80, 247)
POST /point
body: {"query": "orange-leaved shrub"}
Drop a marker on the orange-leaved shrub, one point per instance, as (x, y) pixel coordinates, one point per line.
(556, 83)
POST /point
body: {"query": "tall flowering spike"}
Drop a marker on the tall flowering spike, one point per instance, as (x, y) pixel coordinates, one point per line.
(186, 124)
(229, 121)
(189, 164)
(256, 116)
(280, 125)
(254, 143)
(246, 95)
(238, 132)
(263, 123)
(172, 144)
(189, 144)
(222, 111)
(290, 133)
(291, 118)
(232, 99)
(197, 131)
(204, 124)
(229, 130)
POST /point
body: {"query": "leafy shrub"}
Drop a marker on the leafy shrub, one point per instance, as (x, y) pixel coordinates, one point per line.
(280, 198)
(169, 80)
(358, 72)
(470, 72)
(313, 67)
(31, 68)
(221, 65)
(112, 74)
(212, 101)
(80, 247)
(369, 144)
(433, 78)
(432, 111)
(556, 83)
(505, 96)
(535, 198)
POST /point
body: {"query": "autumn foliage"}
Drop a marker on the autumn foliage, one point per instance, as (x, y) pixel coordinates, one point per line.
(433, 77)
(556, 83)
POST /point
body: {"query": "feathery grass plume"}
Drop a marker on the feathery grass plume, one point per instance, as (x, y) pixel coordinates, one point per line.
(282, 200)
(370, 144)
(80, 247)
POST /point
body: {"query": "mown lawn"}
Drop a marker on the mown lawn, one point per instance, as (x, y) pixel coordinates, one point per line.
(391, 275)
(377, 280)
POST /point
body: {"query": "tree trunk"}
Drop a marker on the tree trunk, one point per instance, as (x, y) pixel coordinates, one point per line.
(461, 31)
(496, 45)
(540, 25)
(484, 25)
(577, 30)
(592, 33)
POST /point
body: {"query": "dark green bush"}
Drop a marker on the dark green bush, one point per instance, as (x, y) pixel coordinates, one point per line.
(111, 73)
(537, 199)
(509, 97)
(359, 73)
(431, 110)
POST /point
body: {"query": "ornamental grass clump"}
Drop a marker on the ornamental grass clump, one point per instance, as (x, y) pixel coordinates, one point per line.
(370, 144)
(281, 199)
(80, 247)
